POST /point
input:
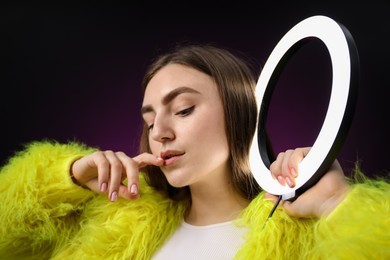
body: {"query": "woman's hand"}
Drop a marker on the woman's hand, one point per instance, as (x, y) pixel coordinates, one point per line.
(321, 198)
(104, 172)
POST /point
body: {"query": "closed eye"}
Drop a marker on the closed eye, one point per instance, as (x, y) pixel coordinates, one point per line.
(185, 112)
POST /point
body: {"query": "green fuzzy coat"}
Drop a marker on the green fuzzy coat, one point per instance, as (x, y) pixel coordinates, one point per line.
(44, 215)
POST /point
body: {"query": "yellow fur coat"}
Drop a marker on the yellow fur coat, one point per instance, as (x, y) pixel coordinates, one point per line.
(44, 215)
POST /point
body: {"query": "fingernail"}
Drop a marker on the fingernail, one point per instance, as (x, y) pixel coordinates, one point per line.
(280, 180)
(103, 187)
(290, 183)
(133, 189)
(114, 196)
(293, 172)
(161, 159)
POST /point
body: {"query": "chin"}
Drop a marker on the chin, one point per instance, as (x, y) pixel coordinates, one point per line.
(176, 184)
(176, 181)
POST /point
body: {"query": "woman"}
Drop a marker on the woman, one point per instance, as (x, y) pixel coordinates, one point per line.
(196, 197)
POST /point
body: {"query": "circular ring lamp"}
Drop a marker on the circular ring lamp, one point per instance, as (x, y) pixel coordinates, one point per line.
(345, 70)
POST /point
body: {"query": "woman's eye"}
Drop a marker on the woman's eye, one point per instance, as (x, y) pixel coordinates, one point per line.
(185, 112)
(150, 127)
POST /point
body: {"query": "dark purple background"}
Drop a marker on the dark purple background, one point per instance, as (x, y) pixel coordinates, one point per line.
(74, 72)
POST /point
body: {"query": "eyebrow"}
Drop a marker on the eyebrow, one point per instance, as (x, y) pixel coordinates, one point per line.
(169, 97)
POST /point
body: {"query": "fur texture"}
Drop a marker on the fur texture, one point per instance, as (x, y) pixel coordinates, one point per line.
(44, 215)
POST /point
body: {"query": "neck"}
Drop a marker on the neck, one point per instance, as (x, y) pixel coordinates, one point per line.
(212, 205)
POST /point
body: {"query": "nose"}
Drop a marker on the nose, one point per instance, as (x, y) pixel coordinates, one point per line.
(162, 130)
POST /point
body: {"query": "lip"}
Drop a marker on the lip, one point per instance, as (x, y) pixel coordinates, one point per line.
(171, 156)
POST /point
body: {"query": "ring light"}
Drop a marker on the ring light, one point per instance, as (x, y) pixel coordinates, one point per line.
(345, 66)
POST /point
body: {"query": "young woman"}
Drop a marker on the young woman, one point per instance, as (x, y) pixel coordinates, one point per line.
(189, 194)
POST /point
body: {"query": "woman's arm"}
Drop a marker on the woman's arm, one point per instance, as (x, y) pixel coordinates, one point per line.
(40, 204)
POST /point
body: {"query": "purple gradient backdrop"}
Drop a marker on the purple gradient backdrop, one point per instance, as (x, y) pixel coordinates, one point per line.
(74, 72)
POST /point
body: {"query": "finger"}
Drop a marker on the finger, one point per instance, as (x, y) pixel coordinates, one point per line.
(289, 208)
(296, 157)
(299, 209)
(103, 168)
(148, 159)
(132, 172)
(286, 163)
(286, 168)
(275, 167)
(116, 171)
(87, 169)
(124, 193)
(132, 166)
(143, 160)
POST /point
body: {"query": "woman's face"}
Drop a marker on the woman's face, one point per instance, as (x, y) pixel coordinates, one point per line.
(185, 116)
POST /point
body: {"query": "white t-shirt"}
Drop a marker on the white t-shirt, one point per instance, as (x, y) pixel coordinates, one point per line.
(217, 241)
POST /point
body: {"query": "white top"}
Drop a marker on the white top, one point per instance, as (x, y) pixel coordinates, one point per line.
(217, 241)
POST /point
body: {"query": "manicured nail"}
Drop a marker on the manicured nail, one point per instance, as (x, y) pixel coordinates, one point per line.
(134, 189)
(280, 180)
(161, 159)
(293, 172)
(103, 187)
(290, 183)
(114, 196)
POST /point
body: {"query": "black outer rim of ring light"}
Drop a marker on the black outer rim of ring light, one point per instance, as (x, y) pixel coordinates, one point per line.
(264, 142)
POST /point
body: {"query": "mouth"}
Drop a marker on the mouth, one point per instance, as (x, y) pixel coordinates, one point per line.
(170, 156)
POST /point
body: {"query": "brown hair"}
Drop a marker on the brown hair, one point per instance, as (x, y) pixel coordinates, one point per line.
(236, 83)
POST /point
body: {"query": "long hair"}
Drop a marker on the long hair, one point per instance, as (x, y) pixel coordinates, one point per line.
(235, 80)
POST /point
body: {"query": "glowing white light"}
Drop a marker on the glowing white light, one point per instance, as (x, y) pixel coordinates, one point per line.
(334, 38)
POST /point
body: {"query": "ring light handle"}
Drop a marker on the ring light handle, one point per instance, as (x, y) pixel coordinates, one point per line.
(345, 67)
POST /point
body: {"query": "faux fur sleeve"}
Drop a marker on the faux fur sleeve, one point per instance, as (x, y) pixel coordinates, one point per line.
(40, 204)
(359, 228)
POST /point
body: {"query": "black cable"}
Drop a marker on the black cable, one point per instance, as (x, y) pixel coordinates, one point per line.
(275, 206)
(273, 209)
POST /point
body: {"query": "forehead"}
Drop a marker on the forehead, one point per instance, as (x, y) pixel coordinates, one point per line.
(174, 76)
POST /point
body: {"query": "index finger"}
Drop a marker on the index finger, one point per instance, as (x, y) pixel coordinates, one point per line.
(132, 166)
(296, 157)
(144, 159)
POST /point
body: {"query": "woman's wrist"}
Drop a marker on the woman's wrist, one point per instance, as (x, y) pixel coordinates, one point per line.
(74, 179)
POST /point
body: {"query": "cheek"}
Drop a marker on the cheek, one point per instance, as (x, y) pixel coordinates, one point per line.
(210, 132)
